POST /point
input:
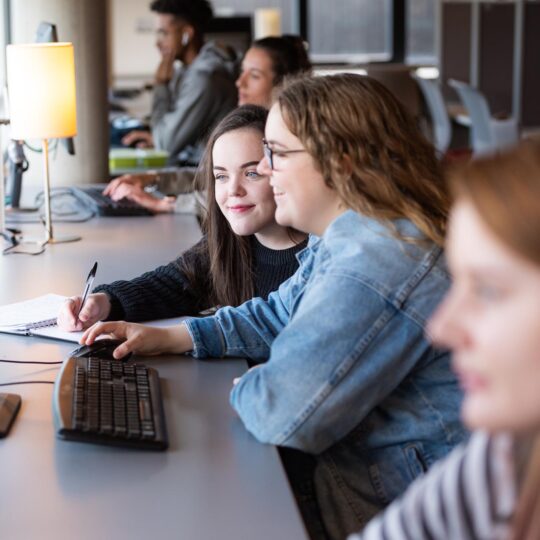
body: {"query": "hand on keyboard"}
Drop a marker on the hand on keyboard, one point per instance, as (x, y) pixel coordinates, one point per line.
(142, 180)
(136, 193)
(105, 206)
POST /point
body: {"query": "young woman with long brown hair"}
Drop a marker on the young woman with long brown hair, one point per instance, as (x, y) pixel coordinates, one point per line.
(490, 487)
(244, 252)
(350, 377)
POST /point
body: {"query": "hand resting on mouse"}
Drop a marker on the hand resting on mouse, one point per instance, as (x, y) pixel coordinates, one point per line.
(141, 339)
(101, 348)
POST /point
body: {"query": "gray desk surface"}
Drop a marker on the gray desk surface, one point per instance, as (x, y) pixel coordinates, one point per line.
(215, 481)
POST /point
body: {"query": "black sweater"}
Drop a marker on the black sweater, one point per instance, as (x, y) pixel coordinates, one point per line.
(166, 291)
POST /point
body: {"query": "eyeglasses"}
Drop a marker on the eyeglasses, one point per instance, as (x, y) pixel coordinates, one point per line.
(269, 153)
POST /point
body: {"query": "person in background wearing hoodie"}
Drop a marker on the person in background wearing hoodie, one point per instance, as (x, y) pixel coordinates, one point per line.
(266, 63)
(188, 101)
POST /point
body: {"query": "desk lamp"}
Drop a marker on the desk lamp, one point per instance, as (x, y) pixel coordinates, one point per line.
(41, 83)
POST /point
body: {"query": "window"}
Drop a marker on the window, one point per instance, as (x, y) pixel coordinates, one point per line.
(289, 24)
(350, 30)
(421, 31)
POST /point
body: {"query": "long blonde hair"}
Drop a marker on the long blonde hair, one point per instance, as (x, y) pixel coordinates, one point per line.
(505, 191)
(369, 149)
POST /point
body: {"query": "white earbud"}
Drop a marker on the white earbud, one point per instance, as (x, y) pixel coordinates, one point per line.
(185, 38)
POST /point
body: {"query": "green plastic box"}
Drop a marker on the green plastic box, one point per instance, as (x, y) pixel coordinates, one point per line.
(136, 158)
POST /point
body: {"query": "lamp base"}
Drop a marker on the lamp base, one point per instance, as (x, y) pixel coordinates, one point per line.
(10, 210)
(56, 239)
(63, 238)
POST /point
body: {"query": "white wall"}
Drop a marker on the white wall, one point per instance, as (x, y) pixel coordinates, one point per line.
(133, 51)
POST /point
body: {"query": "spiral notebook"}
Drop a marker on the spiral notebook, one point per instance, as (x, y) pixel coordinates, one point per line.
(35, 317)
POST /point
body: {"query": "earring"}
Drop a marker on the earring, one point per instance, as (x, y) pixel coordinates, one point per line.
(185, 39)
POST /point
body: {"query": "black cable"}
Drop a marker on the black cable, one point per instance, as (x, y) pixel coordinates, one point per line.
(26, 382)
(27, 362)
(10, 250)
(71, 215)
(74, 213)
(52, 147)
(66, 207)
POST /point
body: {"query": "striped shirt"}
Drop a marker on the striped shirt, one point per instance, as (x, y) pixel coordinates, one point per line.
(471, 494)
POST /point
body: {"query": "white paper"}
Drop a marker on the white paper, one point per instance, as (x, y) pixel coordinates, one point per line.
(19, 317)
(54, 332)
(30, 312)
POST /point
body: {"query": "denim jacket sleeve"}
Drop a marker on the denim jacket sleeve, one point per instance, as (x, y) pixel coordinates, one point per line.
(246, 331)
(343, 352)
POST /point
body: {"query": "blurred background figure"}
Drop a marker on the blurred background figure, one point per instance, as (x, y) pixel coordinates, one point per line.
(188, 99)
(489, 487)
(266, 63)
(264, 67)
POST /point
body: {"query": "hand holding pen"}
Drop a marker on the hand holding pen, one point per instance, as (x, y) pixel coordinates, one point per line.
(80, 312)
(87, 287)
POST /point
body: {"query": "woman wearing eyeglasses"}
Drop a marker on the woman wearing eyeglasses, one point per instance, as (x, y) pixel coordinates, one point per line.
(244, 253)
(348, 375)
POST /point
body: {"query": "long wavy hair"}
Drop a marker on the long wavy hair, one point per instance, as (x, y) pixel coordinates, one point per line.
(368, 149)
(505, 191)
(231, 275)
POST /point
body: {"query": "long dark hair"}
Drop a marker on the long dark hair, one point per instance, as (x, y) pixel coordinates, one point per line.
(288, 55)
(230, 282)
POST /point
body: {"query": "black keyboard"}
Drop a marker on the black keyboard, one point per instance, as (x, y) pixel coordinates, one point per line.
(102, 205)
(109, 402)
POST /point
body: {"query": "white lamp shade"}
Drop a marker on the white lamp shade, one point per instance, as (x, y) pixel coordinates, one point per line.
(41, 85)
(267, 22)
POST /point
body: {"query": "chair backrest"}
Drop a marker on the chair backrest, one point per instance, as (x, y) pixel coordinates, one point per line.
(478, 109)
(397, 79)
(440, 121)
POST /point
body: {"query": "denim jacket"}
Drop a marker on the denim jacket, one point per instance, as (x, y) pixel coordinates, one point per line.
(350, 376)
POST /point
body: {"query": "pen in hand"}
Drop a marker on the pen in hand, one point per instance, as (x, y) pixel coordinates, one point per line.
(87, 287)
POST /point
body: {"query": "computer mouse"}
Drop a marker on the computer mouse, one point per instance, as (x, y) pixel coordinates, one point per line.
(102, 348)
